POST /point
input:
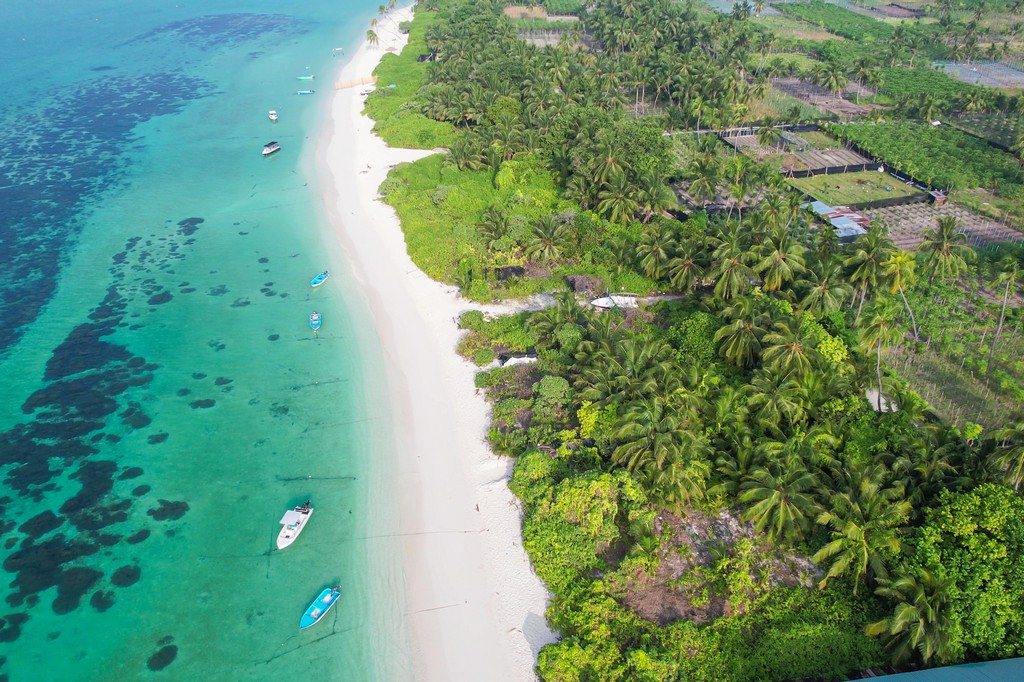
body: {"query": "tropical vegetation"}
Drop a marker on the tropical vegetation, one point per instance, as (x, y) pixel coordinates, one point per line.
(733, 481)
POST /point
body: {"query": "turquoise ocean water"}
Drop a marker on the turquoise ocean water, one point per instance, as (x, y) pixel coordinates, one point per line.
(164, 400)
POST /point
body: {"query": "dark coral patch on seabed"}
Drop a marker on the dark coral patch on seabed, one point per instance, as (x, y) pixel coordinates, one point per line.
(102, 600)
(126, 576)
(10, 626)
(169, 510)
(162, 658)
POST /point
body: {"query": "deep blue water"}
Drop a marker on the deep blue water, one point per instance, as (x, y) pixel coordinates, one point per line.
(164, 400)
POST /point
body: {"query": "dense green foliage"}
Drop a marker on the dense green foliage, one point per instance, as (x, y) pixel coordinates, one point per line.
(705, 488)
(398, 123)
(939, 155)
(976, 541)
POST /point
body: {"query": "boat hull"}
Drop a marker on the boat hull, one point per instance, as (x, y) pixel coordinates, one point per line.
(315, 321)
(290, 531)
(319, 608)
(319, 279)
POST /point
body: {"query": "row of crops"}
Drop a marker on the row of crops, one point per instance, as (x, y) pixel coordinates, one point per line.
(838, 20)
(1000, 128)
(897, 82)
(942, 156)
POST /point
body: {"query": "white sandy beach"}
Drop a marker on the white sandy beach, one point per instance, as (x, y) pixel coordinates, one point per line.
(475, 608)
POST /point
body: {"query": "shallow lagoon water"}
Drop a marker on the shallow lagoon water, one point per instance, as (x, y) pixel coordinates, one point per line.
(165, 400)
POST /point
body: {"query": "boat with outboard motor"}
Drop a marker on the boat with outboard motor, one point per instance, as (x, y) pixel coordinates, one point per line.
(271, 147)
(319, 279)
(319, 608)
(294, 521)
(315, 321)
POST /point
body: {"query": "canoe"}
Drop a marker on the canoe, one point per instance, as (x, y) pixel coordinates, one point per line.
(314, 320)
(293, 522)
(319, 608)
(319, 279)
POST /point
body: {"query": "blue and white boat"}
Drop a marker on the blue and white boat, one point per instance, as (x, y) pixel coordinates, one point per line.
(319, 608)
(306, 78)
(319, 279)
(314, 320)
(305, 92)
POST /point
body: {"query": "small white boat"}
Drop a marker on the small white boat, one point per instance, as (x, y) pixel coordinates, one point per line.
(304, 92)
(310, 77)
(294, 520)
(272, 115)
(616, 301)
(270, 147)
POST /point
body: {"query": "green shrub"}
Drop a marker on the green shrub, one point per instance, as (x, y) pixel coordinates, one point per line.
(483, 356)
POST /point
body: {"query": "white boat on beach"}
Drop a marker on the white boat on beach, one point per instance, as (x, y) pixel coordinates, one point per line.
(610, 301)
(272, 115)
(293, 521)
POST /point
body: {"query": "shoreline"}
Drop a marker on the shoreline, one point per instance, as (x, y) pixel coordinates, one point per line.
(474, 608)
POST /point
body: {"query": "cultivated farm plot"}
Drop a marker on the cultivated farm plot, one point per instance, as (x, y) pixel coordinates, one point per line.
(854, 188)
(819, 97)
(798, 152)
(992, 74)
(906, 223)
(999, 128)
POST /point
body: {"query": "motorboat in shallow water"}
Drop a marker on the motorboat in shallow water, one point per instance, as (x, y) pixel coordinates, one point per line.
(271, 147)
(272, 115)
(314, 321)
(319, 279)
(293, 522)
(319, 608)
(305, 92)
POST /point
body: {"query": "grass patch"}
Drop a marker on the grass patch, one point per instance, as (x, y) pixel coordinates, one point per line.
(791, 27)
(440, 208)
(396, 111)
(779, 105)
(853, 188)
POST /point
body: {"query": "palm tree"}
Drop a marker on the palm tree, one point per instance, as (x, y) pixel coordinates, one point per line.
(1008, 456)
(879, 334)
(866, 521)
(651, 436)
(872, 250)
(781, 260)
(686, 270)
(945, 248)
(372, 38)
(776, 401)
(918, 622)
(788, 350)
(768, 134)
(900, 271)
(1009, 272)
(548, 235)
(626, 371)
(781, 499)
(826, 290)
(616, 199)
(655, 251)
(741, 339)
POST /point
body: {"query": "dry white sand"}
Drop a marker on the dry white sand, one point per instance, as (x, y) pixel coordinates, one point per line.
(475, 609)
